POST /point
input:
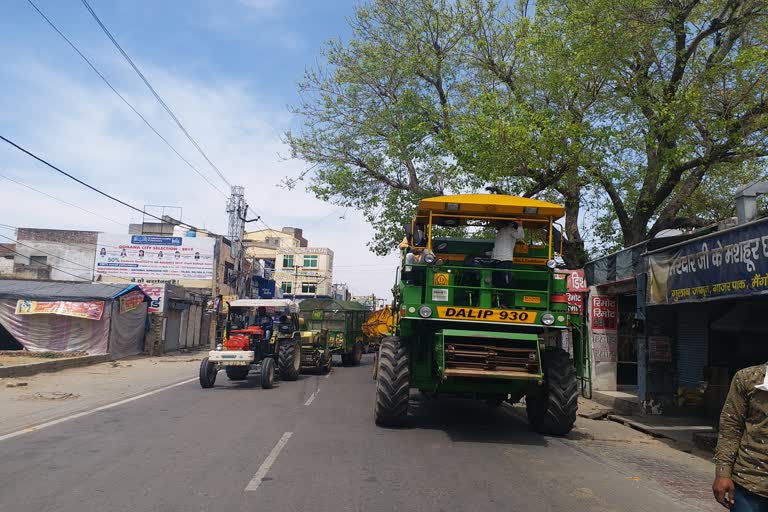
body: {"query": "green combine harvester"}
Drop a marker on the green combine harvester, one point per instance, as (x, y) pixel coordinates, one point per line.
(478, 327)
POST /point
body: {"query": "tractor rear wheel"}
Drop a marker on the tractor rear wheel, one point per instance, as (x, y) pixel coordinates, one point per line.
(207, 373)
(289, 359)
(268, 373)
(237, 372)
(552, 406)
(353, 358)
(392, 383)
(326, 362)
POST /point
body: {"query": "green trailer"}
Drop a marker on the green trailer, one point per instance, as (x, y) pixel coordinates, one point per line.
(475, 327)
(337, 324)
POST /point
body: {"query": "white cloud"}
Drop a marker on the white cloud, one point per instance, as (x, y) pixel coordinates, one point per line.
(83, 127)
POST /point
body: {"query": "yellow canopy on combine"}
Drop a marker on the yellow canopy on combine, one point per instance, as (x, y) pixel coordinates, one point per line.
(380, 323)
(489, 205)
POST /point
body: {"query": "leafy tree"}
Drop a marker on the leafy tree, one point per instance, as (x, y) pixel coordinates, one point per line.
(687, 109)
(638, 115)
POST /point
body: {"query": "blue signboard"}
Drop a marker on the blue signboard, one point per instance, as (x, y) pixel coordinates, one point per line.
(155, 240)
(732, 263)
(266, 287)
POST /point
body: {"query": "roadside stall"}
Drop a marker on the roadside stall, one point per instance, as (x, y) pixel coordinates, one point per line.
(45, 316)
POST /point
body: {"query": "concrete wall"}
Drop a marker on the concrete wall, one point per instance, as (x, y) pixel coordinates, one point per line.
(6, 266)
(603, 344)
(70, 255)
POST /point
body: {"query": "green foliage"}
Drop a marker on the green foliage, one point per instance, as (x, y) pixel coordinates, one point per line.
(638, 116)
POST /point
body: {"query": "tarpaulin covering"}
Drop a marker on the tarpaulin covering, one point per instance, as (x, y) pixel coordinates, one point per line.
(732, 263)
(45, 333)
(126, 336)
(27, 312)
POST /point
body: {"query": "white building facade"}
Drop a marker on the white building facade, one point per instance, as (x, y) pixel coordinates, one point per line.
(304, 272)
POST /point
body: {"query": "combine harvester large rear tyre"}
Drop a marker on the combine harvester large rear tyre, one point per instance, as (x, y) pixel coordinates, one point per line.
(392, 384)
(552, 406)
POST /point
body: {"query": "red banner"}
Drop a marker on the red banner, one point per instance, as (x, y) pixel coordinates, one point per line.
(130, 301)
(87, 310)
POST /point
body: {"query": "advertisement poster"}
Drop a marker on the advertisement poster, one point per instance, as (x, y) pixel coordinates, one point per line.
(575, 303)
(156, 292)
(130, 301)
(87, 310)
(604, 313)
(733, 263)
(155, 257)
(659, 349)
(577, 282)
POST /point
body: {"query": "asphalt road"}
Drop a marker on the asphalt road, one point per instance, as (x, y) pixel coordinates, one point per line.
(310, 445)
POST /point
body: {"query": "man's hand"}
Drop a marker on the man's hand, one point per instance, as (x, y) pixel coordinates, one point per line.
(723, 489)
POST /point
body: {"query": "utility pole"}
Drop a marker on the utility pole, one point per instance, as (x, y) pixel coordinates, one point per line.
(295, 281)
(237, 209)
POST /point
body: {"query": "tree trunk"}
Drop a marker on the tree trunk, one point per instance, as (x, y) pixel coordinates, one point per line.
(573, 246)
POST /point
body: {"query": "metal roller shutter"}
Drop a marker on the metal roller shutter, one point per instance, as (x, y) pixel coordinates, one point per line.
(692, 334)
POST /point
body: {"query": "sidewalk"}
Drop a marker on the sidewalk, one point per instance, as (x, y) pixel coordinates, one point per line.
(681, 430)
(28, 401)
(640, 456)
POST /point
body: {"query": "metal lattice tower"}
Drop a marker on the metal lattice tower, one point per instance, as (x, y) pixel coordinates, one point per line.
(236, 209)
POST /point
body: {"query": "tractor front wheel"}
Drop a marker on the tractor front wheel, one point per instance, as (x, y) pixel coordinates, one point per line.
(207, 373)
(289, 359)
(268, 373)
(393, 379)
(552, 406)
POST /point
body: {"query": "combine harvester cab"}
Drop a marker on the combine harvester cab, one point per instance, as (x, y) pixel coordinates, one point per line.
(476, 327)
(332, 327)
(260, 333)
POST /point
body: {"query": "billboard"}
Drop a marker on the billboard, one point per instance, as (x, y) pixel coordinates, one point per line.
(155, 257)
(156, 292)
(733, 263)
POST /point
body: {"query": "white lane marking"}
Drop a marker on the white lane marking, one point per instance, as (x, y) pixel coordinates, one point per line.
(51, 423)
(327, 375)
(312, 397)
(264, 468)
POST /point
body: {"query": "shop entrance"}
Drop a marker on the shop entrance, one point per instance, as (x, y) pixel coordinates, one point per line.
(626, 350)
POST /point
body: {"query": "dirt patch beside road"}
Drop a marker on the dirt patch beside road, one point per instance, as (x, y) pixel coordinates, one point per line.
(17, 357)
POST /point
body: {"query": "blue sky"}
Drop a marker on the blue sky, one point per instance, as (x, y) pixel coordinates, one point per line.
(228, 68)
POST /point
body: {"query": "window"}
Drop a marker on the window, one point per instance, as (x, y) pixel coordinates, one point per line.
(288, 261)
(270, 240)
(310, 261)
(38, 261)
(308, 287)
(286, 287)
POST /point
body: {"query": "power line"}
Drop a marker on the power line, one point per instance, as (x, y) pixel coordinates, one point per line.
(43, 161)
(61, 200)
(154, 92)
(51, 266)
(104, 79)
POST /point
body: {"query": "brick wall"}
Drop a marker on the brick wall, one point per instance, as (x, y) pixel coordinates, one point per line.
(57, 235)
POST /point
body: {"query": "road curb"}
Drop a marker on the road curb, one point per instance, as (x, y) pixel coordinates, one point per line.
(54, 365)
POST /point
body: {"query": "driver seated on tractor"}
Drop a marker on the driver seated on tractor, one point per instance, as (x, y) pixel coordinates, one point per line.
(265, 322)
